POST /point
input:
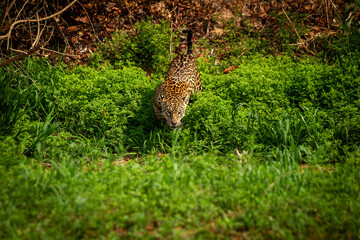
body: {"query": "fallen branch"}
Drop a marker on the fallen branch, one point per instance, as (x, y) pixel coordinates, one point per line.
(18, 50)
(19, 57)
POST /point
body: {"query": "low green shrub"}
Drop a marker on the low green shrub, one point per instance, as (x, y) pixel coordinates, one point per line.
(146, 46)
(210, 117)
(277, 100)
(103, 103)
(268, 104)
(11, 153)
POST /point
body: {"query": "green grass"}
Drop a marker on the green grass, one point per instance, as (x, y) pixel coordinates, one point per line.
(192, 196)
(205, 196)
(82, 155)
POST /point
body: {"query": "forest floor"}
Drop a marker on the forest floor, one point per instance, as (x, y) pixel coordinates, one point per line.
(86, 24)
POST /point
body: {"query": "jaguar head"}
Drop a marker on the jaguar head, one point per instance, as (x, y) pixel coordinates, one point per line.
(173, 102)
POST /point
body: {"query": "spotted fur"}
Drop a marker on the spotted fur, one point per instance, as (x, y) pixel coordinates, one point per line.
(172, 96)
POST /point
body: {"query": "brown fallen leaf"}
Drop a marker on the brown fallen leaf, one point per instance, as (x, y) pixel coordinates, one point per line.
(229, 69)
(160, 154)
(73, 29)
(83, 19)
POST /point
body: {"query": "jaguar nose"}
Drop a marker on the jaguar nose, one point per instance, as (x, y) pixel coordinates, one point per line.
(175, 125)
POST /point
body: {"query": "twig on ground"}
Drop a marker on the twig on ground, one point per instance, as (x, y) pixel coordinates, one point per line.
(47, 41)
(59, 28)
(241, 155)
(31, 37)
(68, 55)
(6, 13)
(92, 26)
(19, 57)
(302, 43)
(18, 50)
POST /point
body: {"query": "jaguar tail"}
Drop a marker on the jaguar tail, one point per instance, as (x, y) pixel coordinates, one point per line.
(189, 41)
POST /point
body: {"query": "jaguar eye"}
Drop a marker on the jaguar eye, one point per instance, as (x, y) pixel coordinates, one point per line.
(168, 113)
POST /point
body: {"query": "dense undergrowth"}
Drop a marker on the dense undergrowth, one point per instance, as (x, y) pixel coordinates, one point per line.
(65, 132)
(266, 106)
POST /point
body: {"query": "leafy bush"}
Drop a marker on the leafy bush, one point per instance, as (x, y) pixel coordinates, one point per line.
(147, 46)
(102, 103)
(209, 118)
(10, 153)
(268, 104)
(279, 103)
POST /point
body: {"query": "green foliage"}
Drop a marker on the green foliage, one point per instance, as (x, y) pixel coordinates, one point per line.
(147, 46)
(289, 32)
(351, 27)
(10, 153)
(268, 105)
(41, 131)
(269, 92)
(12, 98)
(210, 117)
(99, 103)
(27, 104)
(344, 49)
(106, 168)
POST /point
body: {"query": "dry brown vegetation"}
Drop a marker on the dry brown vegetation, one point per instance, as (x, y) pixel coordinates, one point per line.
(71, 28)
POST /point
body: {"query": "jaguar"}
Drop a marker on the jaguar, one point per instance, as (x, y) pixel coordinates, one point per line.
(182, 79)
